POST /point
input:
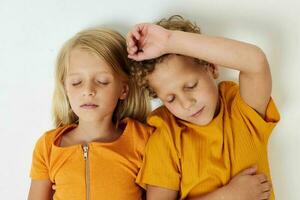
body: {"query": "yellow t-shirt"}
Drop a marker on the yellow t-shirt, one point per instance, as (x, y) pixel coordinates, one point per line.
(196, 159)
(108, 172)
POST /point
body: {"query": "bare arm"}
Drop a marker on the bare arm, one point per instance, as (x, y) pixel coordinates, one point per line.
(255, 77)
(246, 185)
(40, 190)
(158, 193)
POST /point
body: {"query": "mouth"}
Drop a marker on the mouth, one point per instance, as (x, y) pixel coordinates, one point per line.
(89, 106)
(196, 114)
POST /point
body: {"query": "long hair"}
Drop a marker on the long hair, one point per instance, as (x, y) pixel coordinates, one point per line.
(111, 47)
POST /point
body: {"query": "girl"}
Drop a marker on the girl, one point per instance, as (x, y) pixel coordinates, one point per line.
(96, 149)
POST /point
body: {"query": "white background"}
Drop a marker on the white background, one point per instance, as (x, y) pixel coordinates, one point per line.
(32, 31)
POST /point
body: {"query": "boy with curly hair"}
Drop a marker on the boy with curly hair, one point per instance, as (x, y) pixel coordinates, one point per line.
(206, 133)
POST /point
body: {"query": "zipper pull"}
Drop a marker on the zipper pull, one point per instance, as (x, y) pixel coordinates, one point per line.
(85, 151)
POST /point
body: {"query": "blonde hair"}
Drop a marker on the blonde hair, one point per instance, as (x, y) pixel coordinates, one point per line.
(110, 46)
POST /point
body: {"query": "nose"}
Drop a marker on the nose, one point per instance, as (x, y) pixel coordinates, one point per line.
(89, 90)
(187, 102)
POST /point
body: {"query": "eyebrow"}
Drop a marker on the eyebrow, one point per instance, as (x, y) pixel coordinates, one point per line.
(74, 74)
(166, 95)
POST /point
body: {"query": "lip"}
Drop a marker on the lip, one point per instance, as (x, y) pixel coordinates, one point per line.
(196, 114)
(89, 106)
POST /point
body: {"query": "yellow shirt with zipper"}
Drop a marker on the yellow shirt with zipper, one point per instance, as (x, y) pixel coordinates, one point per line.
(105, 171)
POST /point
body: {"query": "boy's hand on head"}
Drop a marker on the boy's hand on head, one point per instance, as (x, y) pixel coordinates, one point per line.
(247, 185)
(147, 41)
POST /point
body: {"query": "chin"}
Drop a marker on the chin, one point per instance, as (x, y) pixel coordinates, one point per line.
(203, 122)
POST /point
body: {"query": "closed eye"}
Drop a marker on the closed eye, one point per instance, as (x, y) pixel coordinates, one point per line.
(77, 83)
(103, 82)
(192, 86)
(170, 99)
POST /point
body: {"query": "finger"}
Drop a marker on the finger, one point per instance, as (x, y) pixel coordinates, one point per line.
(133, 50)
(265, 195)
(262, 178)
(248, 171)
(129, 43)
(130, 40)
(137, 31)
(136, 34)
(139, 56)
(133, 57)
(266, 187)
(130, 52)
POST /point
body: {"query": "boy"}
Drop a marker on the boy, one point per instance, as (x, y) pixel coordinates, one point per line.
(205, 133)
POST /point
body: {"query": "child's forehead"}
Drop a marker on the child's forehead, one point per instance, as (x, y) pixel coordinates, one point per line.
(178, 63)
(173, 77)
(176, 67)
(85, 61)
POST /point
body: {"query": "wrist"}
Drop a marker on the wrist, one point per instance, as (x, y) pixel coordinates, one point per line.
(225, 193)
(170, 47)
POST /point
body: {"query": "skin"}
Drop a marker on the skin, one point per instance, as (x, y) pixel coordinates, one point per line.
(194, 96)
(90, 80)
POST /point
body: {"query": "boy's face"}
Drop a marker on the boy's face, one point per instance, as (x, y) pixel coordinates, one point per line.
(188, 90)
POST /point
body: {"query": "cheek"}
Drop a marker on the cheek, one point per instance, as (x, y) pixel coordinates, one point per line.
(73, 95)
(174, 109)
(110, 94)
(208, 92)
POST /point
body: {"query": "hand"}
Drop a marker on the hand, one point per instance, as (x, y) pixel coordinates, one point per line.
(247, 185)
(147, 41)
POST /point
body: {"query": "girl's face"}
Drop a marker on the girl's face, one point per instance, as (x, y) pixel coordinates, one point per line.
(92, 87)
(188, 90)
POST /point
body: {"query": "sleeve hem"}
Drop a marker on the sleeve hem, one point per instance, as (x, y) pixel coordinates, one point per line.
(169, 186)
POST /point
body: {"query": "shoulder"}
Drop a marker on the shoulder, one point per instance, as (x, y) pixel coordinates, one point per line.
(167, 129)
(161, 117)
(48, 138)
(137, 129)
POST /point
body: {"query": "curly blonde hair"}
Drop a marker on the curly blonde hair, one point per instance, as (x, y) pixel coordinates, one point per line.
(141, 69)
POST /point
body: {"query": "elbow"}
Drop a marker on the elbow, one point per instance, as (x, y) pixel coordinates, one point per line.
(261, 64)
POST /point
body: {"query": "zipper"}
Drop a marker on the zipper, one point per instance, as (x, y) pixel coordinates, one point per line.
(87, 170)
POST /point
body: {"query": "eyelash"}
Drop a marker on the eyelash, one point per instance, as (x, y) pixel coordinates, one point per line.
(75, 84)
(170, 101)
(193, 86)
(103, 83)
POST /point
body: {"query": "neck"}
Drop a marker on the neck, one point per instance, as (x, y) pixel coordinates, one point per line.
(102, 130)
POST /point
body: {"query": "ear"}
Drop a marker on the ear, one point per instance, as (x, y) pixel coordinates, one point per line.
(124, 92)
(214, 70)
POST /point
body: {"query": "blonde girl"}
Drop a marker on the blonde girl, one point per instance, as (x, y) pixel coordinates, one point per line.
(96, 148)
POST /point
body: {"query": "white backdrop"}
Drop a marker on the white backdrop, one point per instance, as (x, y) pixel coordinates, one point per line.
(32, 32)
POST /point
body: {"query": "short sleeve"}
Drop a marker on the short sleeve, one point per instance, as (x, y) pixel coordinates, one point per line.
(161, 163)
(40, 164)
(261, 126)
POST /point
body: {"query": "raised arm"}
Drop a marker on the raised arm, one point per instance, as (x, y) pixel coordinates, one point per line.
(148, 41)
(255, 77)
